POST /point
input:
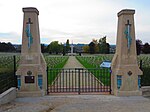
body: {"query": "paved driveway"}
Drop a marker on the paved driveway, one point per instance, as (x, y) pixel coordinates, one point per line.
(78, 103)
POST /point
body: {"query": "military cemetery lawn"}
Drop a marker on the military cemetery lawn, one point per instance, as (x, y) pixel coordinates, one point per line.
(94, 61)
(7, 63)
(57, 61)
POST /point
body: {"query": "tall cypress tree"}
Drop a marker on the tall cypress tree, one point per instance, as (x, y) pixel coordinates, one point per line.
(67, 46)
(103, 46)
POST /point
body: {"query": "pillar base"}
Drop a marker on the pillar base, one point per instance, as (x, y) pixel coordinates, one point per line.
(31, 93)
(128, 93)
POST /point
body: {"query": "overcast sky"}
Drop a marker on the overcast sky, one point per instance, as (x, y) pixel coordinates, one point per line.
(79, 21)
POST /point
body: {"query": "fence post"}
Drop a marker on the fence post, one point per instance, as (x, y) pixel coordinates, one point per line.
(15, 77)
(110, 80)
(79, 81)
(47, 81)
(141, 67)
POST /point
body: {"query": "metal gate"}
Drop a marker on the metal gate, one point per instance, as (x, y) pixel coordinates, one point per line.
(79, 80)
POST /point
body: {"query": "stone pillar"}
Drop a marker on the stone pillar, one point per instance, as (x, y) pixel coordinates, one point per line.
(31, 73)
(125, 70)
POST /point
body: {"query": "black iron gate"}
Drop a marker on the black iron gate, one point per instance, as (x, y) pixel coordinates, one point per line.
(79, 80)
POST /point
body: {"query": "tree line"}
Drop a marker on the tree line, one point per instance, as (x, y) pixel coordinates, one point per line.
(7, 47)
(55, 47)
(142, 48)
(95, 46)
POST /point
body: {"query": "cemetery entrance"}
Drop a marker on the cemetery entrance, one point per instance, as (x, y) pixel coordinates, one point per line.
(79, 81)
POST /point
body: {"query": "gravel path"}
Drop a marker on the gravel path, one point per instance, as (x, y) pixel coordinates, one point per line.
(73, 63)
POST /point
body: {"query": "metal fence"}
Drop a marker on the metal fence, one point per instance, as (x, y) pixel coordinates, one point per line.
(7, 81)
(79, 80)
(145, 78)
(7, 72)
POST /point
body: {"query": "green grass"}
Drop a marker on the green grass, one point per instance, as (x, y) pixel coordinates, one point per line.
(7, 64)
(93, 61)
(102, 74)
(54, 71)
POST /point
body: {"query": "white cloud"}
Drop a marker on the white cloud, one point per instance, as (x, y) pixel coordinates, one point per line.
(78, 20)
(10, 37)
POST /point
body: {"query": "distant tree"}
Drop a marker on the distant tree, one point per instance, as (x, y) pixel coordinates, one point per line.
(7, 47)
(86, 48)
(11, 48)
(43, 48)
(92, 47)
(67, 46)
(55, 47)
(146, 48)
(18, 48)
(138, 46)
(103, 46)
(107, 48)
(61, 48)
(96, 47)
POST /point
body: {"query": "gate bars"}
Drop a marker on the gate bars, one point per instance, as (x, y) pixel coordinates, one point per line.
(78, 80)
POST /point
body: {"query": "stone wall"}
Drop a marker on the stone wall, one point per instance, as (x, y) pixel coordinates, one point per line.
(8, 95)
(146, 90)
